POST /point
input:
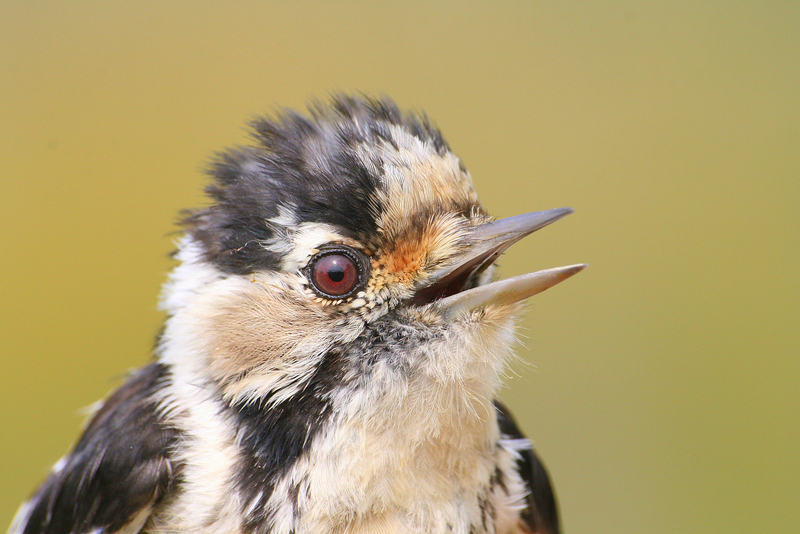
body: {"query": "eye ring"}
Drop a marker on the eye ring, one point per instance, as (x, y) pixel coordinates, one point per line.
(337, 272)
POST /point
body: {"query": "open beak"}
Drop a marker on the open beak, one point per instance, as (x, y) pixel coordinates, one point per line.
(448, 286)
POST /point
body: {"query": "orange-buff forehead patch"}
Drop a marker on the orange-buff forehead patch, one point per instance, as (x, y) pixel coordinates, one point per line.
(417, 248)
(406, 258)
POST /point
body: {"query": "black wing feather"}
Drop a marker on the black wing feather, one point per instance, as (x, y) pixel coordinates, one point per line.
(541, 514)
(120, 466)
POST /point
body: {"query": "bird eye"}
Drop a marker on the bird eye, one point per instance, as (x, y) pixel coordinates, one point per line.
(336, 273)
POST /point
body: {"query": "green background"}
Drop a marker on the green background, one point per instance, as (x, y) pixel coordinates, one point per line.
(661, 385)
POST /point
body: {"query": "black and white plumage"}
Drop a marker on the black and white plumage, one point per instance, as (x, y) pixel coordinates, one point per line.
(331, 353)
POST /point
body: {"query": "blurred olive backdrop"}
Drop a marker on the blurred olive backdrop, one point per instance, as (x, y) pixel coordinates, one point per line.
(660, 385)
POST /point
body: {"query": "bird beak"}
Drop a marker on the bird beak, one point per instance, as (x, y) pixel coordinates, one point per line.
(447, 287)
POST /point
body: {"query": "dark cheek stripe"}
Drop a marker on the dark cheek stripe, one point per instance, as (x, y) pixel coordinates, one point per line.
(271, 439)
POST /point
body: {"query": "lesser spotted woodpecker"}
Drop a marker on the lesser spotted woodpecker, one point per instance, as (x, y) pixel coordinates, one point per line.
(331, 354)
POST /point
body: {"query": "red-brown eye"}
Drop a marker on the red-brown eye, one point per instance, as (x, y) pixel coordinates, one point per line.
(335, 274)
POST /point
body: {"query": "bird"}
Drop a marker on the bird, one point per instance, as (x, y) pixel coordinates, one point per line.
(332, 350)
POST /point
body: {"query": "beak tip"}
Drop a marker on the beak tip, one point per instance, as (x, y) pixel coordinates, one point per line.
(566, 211)
(578, 267)
(559, 274)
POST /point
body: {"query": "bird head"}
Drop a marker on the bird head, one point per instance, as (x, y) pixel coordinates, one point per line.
(352, 234)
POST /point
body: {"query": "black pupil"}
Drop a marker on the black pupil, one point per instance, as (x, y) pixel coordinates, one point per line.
(336, 273)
